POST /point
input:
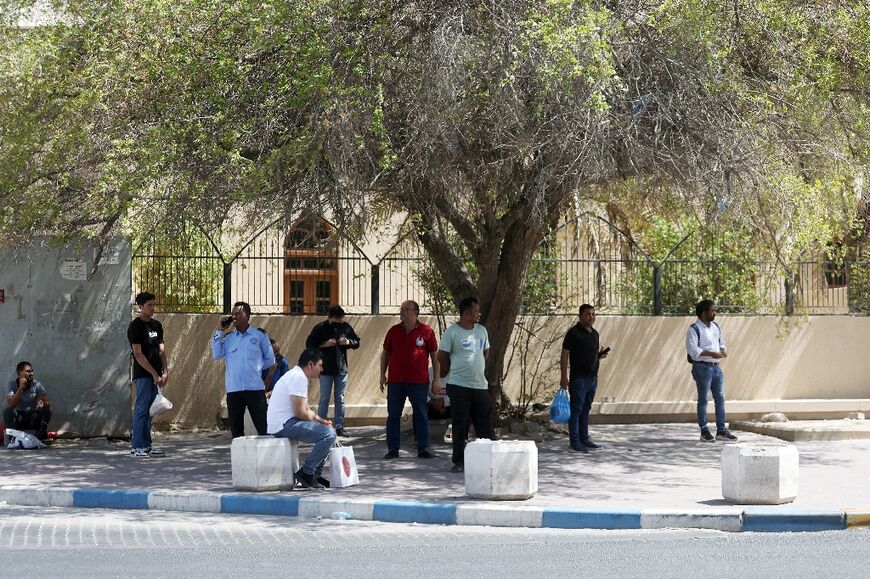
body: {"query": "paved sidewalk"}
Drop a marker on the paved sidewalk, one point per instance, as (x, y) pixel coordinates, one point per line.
(642, 467)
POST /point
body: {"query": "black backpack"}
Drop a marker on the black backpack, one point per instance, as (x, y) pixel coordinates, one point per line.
(698, 334)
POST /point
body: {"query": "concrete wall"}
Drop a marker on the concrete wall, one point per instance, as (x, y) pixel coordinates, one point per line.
(73, 328)
(820, 366)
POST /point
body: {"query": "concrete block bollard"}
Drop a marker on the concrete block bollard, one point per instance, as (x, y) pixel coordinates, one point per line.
(759, 474)
(501, 470)
(264, 463)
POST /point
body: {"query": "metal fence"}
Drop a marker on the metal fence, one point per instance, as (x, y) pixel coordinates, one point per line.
(189, 275)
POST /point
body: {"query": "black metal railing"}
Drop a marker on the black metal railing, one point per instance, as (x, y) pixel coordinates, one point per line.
(586, 260)
(204, 283)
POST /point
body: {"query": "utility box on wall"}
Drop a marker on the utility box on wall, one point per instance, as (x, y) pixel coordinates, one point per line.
(70, 321)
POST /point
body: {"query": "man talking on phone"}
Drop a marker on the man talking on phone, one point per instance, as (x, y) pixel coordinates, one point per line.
(581, 351)
(246, 352)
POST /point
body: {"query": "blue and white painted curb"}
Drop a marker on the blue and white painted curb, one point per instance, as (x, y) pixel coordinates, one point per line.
(733, 519)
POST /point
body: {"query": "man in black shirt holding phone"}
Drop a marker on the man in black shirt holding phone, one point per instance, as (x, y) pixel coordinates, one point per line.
(581, 348)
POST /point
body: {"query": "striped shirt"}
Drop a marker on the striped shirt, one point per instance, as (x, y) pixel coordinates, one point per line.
(710, 340)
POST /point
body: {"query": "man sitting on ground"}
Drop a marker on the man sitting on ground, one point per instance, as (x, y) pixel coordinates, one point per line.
(289, 416)
(27, 403)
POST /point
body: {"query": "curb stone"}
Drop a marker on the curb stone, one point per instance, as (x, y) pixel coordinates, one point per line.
(856, 518)
(766, 519)
(731, 519)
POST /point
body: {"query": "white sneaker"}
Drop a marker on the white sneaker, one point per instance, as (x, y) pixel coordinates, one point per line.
(448, 434)
(155, 452)
(138, 452)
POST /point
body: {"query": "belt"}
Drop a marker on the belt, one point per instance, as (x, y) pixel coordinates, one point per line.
(705, 363)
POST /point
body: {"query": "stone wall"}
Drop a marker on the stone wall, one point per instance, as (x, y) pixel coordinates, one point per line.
(820, 367)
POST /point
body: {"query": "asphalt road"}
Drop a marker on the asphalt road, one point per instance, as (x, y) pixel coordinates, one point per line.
(47, 542)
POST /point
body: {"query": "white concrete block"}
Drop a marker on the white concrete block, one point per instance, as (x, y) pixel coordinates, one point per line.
(759, 474)
(499, 516)
(358, 509)
(264, 463)
(501, 470)
(187, 501)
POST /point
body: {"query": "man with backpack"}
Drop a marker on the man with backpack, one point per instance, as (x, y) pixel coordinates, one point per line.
(705, 347)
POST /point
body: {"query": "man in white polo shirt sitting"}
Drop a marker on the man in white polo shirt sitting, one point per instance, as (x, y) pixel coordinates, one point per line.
(290, 417)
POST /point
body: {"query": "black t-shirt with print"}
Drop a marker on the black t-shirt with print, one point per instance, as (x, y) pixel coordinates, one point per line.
(583, 352)
(149, 335)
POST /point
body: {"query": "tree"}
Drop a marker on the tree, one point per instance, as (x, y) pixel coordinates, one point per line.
(482, 120)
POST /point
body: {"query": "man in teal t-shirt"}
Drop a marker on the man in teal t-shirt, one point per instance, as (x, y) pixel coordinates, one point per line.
(463, 352)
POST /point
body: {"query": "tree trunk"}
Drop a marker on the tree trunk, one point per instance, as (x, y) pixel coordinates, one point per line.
(500, 301)
(499, 290)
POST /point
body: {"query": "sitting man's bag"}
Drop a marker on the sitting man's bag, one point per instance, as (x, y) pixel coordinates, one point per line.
(342, 467)
(22, 440)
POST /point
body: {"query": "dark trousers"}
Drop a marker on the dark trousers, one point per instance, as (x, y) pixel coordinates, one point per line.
(28, 420)
(469, 406)
(582, 393)
(397, 392)
(255, 402)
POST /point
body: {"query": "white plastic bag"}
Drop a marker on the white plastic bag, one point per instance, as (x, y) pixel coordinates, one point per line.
(161, 404)
(342, 467)
(22, 440)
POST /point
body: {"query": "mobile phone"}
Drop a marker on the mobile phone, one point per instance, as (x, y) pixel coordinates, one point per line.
(604, 351)
(225, 322)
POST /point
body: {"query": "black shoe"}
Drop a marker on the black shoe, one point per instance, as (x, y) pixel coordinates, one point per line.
(323, 482)
(725, 435)
(307, 480)
(392, 454)
(341, 432)
(579, 448)
(425, 454)
(590, 444)
(706, 436)
(458, 467)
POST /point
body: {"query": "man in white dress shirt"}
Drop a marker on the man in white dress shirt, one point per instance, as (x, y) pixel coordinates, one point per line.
(705, 347)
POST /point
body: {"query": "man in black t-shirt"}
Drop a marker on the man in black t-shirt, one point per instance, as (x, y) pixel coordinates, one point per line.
(150, 370)
(580, 348)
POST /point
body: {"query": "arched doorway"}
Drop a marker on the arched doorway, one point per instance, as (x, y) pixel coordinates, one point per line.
(310, 267)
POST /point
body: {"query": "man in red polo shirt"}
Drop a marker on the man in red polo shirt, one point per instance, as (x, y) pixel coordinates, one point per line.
(408, 348)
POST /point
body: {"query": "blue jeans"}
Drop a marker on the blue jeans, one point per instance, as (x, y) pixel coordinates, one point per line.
(396, 394)
(710, 379)
(581, 392)
(146, 392)
(320, 435)
(326, 384)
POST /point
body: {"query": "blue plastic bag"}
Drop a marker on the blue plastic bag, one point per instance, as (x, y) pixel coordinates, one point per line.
(560, 409)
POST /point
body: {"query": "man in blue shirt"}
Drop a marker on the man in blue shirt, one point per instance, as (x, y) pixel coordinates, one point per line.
(246, 352)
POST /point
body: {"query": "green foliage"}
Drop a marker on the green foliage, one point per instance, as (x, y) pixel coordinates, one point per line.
(180, 267)
(571, 41)
(709, 264)
(859, 287)
(546, 289)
